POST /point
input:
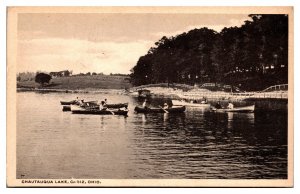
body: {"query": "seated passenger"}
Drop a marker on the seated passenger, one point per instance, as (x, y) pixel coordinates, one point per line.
(81, 102)
(218, 105)
(204, 101)
(166, 106)
(230, 105)
(102, 106)
(145, 104)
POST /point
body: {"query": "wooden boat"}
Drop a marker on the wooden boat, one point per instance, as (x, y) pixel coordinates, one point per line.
(174, 109)
(101, 112)
(118, 105)
(68, 102)
(95, 105)
(184, 103)
(245, 109)
(91, 105)
(66, 108)
(72, 102)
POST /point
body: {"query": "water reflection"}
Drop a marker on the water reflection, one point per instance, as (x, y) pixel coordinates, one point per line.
(195, 144)
(242, 118)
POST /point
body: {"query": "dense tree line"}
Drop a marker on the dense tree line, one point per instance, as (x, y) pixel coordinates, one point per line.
(255, 52)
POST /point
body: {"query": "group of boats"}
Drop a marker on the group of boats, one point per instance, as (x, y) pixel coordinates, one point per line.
(92, 107)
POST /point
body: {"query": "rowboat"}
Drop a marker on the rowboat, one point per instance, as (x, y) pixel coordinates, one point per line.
(92, 105)
(184, 103)
(100, 112)
(118, 105)
(84, 110)
(245, 109)
(176, 109)
(68, 102)
(75, 102)
(66, 108)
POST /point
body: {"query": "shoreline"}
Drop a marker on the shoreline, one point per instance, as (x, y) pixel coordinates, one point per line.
(262, 102)
(96, 91)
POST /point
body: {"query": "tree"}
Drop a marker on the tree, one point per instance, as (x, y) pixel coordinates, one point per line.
(258, 50)
(42, 78)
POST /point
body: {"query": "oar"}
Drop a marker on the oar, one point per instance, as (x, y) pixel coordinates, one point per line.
(164, 109)
(110, 111)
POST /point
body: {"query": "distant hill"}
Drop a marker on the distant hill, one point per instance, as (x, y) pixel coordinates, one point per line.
(82, 82)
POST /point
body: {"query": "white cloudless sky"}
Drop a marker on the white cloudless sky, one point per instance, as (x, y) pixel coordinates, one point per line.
(102, 42)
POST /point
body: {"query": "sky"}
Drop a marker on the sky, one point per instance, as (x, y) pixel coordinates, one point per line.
(101, 42)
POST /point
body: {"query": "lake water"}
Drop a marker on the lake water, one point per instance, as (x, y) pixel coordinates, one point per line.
(194, 144)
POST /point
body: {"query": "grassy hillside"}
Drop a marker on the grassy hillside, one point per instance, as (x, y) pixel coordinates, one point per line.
(81, 82)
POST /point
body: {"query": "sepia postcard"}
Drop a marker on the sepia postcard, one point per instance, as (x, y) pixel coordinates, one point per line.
(150, 96)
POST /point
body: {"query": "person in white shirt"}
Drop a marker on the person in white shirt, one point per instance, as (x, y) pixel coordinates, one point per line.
(145, 104)
(230, 105)
(102, 106)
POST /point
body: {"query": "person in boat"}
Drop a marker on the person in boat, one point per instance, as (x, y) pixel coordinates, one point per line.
(204, 101)
(230, 105)
(166, 106)
(77, 101)
(105, 101)
(102, 106)
(81, 102)
(218, 105)
(145, 104)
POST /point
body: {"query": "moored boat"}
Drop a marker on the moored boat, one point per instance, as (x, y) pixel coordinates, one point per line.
(174, 109)
(184, 103)
(66, 108)
(68, 102)
(244, 109)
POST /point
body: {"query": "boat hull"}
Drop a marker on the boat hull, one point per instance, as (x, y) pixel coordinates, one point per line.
(181, 103)
(101, 112)
(73, 102)
(67, 102)
(245, 109)
(119, 105)
(160, 110)
(95, 106)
